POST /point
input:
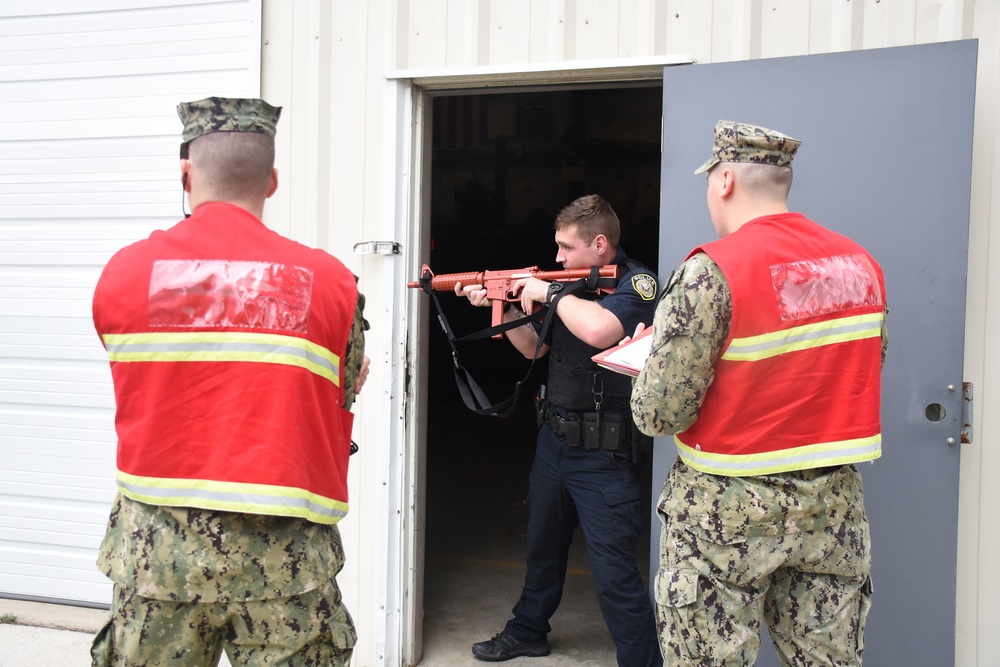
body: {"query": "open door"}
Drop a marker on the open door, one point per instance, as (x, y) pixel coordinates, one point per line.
(886, 159)
(499, 165)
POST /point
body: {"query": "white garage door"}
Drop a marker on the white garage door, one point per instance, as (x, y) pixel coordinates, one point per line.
(88, 163)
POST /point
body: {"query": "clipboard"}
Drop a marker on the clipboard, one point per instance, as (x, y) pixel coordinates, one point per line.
(628, 357)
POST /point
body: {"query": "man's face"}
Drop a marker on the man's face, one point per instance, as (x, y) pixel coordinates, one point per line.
(572, 252)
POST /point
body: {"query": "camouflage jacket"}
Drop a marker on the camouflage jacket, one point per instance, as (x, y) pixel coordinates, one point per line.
(690, 327)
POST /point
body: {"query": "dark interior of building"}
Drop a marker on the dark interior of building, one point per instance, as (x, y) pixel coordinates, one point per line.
(503, 165)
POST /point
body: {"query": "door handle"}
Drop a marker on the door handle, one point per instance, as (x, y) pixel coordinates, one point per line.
(378, 248)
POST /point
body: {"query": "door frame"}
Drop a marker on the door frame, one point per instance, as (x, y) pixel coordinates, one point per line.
(407, 156)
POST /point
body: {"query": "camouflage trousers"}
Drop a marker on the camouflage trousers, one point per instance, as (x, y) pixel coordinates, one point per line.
(791, 550)
(311, 629)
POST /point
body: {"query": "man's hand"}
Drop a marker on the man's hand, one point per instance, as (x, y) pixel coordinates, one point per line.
(532, 291)
(476, 294)
(362, 376)
(639, 328)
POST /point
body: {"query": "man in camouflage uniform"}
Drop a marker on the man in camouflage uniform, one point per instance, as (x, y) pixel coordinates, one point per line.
(766, 354)
(238, 562)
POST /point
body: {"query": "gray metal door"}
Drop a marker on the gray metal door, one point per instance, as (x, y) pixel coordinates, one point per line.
(886, 159)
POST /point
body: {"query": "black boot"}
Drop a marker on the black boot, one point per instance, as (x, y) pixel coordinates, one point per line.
(505, 647)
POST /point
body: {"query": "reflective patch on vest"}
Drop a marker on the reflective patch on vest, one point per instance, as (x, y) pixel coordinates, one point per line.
(817, 287)
(645, 286)
(222, 293)
(802, 457)
(224, 346)
(232, 497)
(804, 337)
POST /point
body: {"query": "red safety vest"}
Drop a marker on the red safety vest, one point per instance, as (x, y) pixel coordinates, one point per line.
(227, 343)
(799, 380)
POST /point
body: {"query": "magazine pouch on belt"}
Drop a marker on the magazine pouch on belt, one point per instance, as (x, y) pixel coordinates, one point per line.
(602, 430)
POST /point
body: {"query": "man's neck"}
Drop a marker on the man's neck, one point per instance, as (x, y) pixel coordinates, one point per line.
(255, 208)
(754, 210)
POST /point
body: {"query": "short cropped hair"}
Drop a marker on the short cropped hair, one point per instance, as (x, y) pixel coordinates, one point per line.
(237, 165)
(766, 180)
(591, 215)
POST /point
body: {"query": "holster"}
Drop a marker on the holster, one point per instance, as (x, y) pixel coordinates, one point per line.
(541, 405)
(642, 447)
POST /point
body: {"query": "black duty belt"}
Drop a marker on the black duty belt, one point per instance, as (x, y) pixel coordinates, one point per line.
(592, 430)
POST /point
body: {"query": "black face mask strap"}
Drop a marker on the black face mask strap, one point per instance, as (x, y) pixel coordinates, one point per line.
(184, 180)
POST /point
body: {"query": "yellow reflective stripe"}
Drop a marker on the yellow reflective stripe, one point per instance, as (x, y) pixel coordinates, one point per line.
(755, 348)
(799, 458)
(225, 346)
(232, 497)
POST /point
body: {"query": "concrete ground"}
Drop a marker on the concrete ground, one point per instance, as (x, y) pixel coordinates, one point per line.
(47, 635)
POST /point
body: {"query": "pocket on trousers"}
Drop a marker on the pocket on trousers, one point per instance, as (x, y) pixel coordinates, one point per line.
(866, 603)
(339, 621)
(678, 614)
(676, 588)
(618, 493)
(103, 646)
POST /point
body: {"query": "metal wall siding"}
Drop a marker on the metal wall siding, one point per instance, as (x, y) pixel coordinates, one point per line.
(88, 164)
(506, 31)
(636, 34)
(466, 34)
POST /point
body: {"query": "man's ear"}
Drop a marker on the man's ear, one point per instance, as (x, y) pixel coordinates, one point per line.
(185, 175)
(728, 182)
(600, 244)
(274, 182)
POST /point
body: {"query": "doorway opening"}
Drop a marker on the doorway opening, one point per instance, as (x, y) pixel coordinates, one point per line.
(503, 164)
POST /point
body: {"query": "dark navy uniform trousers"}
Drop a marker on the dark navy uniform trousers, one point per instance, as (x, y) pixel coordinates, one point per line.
(599, 491)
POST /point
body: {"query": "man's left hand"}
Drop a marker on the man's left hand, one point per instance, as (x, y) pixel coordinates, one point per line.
(359, 381)
(532, 291)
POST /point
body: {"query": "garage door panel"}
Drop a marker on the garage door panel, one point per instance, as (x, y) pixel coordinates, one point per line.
(59, 470)
(55, 446)
(35, 156)
(75, 494)
(171, 87)
(88, 163)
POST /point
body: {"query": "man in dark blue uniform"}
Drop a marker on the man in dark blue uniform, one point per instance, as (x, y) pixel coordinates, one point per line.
(586, 470)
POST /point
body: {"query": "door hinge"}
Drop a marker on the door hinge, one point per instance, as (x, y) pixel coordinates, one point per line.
(966, 413)
(378, 248)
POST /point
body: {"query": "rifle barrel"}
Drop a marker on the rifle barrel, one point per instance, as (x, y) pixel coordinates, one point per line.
(446, 281)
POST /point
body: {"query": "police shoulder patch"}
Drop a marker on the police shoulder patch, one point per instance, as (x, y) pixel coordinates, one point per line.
(645, 286)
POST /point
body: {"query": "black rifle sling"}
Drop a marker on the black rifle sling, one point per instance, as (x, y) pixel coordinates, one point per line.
(472, 394)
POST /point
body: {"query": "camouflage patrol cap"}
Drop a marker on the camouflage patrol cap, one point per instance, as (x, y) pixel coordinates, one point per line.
(740, 142)
(225, 114)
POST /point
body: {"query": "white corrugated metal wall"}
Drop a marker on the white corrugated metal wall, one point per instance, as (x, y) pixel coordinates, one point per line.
(88, 163)
(355, 48)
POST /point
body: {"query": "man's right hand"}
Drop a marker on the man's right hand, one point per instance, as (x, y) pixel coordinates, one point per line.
(362, 376)
(476, 294)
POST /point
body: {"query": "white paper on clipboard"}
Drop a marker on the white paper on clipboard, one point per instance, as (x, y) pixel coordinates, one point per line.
(628, 357)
